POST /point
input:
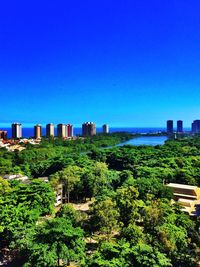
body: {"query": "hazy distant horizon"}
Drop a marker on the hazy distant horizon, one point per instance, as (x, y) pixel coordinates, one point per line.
(29, 131)
(31, 125)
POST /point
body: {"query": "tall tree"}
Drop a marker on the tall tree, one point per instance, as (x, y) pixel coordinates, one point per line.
(69, 177)
(105, 217)
(54, 241)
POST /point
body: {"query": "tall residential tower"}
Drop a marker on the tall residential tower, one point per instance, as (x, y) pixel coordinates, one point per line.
(196, 126)
(3, 134)
(16, 130)
(88, 129)
(170, 128)
(69, 130)
(49, 130)
(105, 128)
(38, 131)
(61, 130)
(179, 126)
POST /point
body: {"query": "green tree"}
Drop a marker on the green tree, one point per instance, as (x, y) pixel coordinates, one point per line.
(144, 255)
(111, 254)
(99, 171)
(152, 187)
(133, 234)
(69, 177)
(105, 216)
(53, 241)
(5, 187)
(68, 212)
(36, 195)
(128, 204)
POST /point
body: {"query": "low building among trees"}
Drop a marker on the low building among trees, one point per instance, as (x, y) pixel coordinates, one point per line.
(188, 197)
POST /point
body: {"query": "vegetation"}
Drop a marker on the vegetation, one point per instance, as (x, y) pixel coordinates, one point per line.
(131, 221)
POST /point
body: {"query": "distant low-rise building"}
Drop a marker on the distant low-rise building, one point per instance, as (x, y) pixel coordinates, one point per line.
(187, 196)
(59, 195)
(18, 177)
(58, 191)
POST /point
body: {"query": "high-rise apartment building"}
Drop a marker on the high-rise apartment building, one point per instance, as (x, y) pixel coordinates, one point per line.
(196, 126)
(179, 126)
(3, 135)
(170, 126)
(61, 130)
(105, 128)
(69, 130)
(88, 129)
(49, 130)
(37, 131)
(16, 130)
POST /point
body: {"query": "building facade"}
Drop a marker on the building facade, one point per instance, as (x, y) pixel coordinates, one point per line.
(105, 128)
(16, 130)
(196, 126)
(69, 130)
(38, 131)
(170, 128)
(88, 129)
(61, 130)
(49, 130)
(179, 126)
(187, 196)
(3, 135)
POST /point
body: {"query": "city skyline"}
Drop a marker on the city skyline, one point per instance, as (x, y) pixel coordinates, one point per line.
(89, 129)
(44, 124)
(128, 64)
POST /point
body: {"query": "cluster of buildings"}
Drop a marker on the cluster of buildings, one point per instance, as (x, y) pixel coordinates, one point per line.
(63, 130)
(170, 126)
(89, 129)
(195, 129)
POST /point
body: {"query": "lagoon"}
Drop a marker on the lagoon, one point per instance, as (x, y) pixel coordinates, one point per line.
(145, 140)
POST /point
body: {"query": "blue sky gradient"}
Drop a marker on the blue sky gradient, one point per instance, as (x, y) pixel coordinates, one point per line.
(125, 63)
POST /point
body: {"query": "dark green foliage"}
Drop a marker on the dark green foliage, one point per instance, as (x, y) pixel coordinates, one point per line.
(54, 241)
(105, 217)
(37, 195)
(21, 207)
(69, 213)
(131, 204)
(154, 188)
(123, 254)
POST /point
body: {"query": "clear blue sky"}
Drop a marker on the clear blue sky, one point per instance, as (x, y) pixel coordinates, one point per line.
(122, 62)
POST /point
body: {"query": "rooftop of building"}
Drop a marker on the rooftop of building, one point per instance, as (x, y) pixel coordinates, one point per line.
(183, 186)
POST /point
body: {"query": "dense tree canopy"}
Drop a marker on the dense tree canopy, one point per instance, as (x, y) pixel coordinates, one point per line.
(128, 218)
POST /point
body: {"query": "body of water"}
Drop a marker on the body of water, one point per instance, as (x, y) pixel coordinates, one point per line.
(145, 140)
(29, 132)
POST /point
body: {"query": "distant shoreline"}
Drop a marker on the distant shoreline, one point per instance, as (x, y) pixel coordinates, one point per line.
(29, 131)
